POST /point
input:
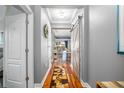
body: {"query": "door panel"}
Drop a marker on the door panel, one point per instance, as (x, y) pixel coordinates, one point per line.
(75, 50)
(15, 56)
(14, 39)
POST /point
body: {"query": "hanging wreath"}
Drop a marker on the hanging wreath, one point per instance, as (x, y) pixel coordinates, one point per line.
(45, 31)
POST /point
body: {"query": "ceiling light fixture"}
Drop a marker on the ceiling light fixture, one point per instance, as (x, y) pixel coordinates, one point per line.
(61, 13)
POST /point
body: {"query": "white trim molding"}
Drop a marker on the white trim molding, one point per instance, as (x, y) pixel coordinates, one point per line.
(42, 82)
(85, 83)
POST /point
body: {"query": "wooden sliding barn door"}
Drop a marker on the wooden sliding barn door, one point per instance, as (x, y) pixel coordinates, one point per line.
(75, 55)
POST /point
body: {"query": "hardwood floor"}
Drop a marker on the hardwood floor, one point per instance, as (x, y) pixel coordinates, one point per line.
(62, 76)
(110, 84)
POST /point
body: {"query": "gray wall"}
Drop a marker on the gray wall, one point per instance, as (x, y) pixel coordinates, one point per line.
(104, 62)
(84, 47)
(45, 43)
(37, 43)
(41, 62)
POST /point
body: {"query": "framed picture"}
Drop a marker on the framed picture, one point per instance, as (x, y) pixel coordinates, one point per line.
(120, 28)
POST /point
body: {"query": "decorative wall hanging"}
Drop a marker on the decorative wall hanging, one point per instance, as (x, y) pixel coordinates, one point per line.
(120, 29)
(45, 31)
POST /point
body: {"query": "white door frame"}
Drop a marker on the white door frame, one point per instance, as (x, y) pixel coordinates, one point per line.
(29, 45)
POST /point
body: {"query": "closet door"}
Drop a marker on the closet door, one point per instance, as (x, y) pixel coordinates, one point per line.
(15, 56)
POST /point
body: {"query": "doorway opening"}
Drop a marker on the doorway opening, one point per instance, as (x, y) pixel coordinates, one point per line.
(2, 42)
(1, 57)
(65, 45)
(13, 45)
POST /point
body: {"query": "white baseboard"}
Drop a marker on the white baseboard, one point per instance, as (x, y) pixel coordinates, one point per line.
(42, 82)
(86, 84)
(37, 85)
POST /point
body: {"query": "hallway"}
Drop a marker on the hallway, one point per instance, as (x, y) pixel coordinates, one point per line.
(61, 75)
(61, 46)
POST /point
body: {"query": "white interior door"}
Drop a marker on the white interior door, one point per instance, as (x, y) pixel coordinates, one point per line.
(15, 56)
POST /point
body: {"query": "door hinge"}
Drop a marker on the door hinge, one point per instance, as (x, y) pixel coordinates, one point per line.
(27, 78)
(26, 50)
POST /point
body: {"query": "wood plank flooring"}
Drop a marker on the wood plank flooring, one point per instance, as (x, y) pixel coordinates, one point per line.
(62, 76)
(110, 84)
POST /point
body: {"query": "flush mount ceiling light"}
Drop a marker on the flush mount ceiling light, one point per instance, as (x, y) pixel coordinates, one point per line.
(61, 15)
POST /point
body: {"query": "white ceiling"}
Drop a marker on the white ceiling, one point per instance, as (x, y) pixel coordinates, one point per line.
(61, 18)
(61, 15)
